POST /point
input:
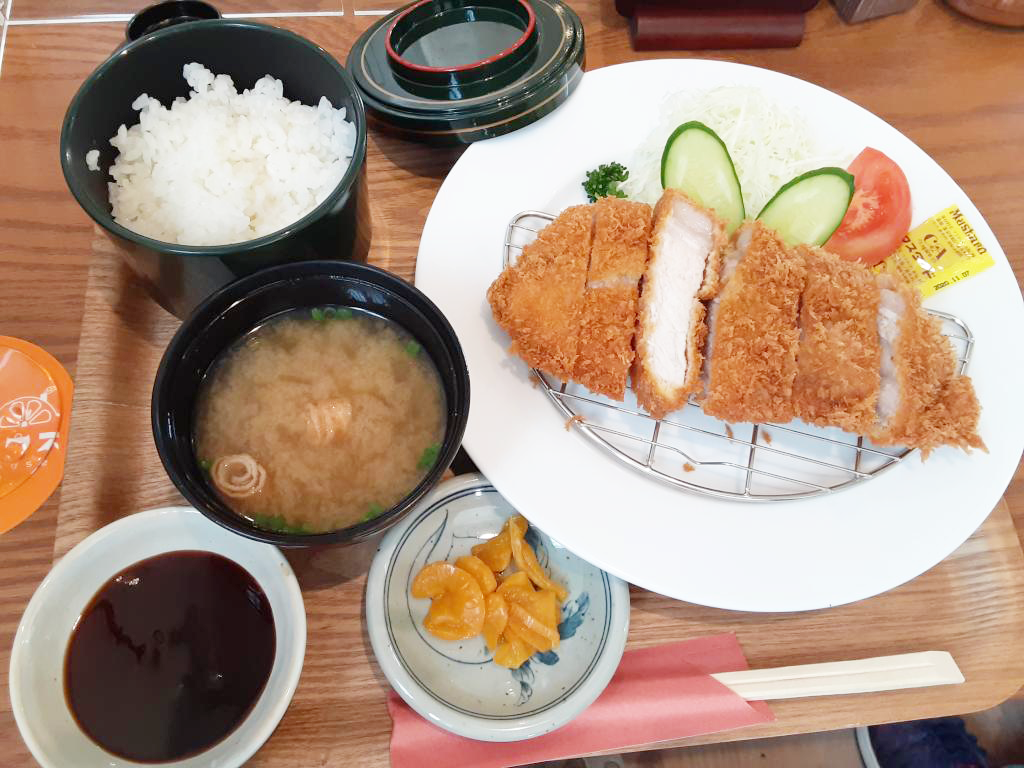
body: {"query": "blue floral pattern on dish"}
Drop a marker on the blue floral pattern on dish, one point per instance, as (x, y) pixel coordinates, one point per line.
(573, 617)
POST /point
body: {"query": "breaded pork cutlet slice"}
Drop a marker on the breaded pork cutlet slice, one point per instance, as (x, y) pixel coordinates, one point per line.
(923, 402)
(752, 358)
(732, 256)
(617, 262)
(837, 377)
(539, 299)
(687, 241)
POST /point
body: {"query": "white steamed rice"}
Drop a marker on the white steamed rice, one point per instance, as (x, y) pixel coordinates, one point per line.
(224, 167)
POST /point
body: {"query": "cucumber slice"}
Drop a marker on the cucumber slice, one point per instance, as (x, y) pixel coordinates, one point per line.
(809, 208)
(695, 161)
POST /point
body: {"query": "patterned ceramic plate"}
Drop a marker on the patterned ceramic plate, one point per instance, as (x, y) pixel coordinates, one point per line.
(456, 685)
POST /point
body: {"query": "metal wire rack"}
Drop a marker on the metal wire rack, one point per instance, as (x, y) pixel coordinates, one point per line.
(692, 451)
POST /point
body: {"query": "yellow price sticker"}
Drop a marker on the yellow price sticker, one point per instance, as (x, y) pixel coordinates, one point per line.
(941, 252)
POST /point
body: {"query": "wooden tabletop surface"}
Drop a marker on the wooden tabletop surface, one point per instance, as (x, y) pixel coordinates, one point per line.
(946, 82)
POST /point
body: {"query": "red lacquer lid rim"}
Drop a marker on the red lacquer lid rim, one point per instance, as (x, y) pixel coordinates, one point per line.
(395, 56)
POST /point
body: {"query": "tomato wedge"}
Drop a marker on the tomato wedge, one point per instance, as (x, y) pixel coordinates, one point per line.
(879, 214)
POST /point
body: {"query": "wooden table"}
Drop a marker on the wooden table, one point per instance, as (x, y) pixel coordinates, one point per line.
(949, 84)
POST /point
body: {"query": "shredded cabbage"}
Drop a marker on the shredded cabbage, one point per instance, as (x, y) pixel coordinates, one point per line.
(769, 143)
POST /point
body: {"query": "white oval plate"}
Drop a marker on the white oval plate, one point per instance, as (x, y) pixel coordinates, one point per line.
(785, 556)
(456, 685)
(37, 660)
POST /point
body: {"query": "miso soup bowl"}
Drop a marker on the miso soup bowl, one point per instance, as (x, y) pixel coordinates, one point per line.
(180, 276)
(232, 312)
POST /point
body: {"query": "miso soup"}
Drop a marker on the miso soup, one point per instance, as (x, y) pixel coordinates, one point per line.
(319, 419)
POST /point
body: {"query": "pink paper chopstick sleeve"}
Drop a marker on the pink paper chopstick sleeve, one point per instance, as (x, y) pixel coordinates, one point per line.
(657, 694)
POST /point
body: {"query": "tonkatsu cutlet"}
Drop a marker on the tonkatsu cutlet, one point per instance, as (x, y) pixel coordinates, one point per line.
(685, 257)
(837, 378)
(790, 333)
(923, 402)
(617, 261)
(752, 357)
(539, 300)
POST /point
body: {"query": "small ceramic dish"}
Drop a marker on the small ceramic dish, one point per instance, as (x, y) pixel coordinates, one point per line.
(456, 685)
(37, 659)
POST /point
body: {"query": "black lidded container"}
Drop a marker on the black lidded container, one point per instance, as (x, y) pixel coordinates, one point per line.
(450, 72)
(167, 14)
(232, 312)
(180, 276)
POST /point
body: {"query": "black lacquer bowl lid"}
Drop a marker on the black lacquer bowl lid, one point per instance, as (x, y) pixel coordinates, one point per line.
(457, 71)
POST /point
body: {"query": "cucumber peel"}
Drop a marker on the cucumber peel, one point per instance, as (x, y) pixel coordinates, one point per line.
(808, 209)
(696, 162)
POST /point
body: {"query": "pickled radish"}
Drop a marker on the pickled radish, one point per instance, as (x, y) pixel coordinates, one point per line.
(495, 619)
(477, 596)
(479, 570)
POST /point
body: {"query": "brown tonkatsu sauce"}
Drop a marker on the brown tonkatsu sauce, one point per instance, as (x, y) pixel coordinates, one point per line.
(169, 656)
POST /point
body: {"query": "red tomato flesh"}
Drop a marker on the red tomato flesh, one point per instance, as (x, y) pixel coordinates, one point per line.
(879, 214)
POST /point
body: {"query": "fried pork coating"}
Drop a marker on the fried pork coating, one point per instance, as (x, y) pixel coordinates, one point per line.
(837, 379)
(790, 332)
(752, 358)
(539, 300)
(617, 262)
(923, 403)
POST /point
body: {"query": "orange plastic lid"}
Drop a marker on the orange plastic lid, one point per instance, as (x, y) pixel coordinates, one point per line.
(35, 411)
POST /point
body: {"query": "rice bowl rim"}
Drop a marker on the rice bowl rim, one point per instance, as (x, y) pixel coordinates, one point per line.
(104, 217)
